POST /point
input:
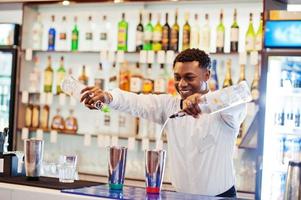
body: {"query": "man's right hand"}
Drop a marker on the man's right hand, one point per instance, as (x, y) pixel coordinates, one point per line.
(92, 94)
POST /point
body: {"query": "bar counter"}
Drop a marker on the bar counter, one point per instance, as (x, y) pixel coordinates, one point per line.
(18, 188)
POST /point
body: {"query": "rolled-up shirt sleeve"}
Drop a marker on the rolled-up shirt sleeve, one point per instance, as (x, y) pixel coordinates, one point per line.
(234, 116)
(150, 106)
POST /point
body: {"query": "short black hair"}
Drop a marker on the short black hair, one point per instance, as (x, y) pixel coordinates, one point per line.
(190, 55)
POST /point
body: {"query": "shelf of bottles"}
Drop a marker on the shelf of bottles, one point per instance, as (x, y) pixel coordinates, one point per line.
(283, 121)
(136, 52)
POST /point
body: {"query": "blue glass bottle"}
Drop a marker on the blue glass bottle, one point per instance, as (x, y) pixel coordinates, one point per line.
(51, 35)
(213, 82)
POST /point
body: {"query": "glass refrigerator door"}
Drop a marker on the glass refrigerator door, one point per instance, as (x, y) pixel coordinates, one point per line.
(282, 132)
(6, 64)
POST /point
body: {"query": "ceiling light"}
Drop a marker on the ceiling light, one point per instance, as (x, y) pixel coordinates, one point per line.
(66, 3)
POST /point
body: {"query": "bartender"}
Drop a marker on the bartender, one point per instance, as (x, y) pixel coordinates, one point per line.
(200, 146)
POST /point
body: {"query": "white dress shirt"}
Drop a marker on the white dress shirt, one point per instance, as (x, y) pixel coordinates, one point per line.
(200, 151)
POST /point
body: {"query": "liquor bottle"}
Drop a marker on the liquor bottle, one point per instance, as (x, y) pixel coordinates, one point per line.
(74, 39)
(148, 82)
(35, 116)
(160, 82)
(124, 81)
(48, 76)
(139, 34)
(89, 35)
(228, 79)
(104, 37)
(71, 124)
(37, 33)
(99, 80)
(58, 122)
(157, 35)
(51, 35)
(220, 35)
(148, 34)
(250, 35)
(174, 35)
(28, 115)
(259, 35)
(213, 81)
(113, 79)
(166, 34)
(242, 76)
(44, 117)
(186, 33)
(171, 86)
(234, 38)
(206, 35)
(62, 41)
(60, 75)
(195, 33)
(255, 84)
(83, 78)
(136, 80)
(122, 34)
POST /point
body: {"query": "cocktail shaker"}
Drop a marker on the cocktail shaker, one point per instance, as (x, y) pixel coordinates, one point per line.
(154, 170)
(117, 164)
(33, 149)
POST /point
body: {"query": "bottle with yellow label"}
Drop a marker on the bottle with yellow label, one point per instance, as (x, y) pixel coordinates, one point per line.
(60, 74)
(250, 35)
(148, 82)
(174, 35)
(83, 78)
(186, 33)
(35, 116)
(28, 115)
(124, 78)
(122, 34)
(48, 76)
(44, 117)
(157, 35)
(228, 79)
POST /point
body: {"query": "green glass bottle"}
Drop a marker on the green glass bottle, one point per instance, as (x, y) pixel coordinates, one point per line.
(75, 34)
(234, 37)
(250, 35)
(186, 33)
(122, 34)
(60, 75)
(220, 35)
(157, 36)
(148, 34)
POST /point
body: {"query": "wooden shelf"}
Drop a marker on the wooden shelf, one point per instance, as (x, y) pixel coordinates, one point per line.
(93, 135)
